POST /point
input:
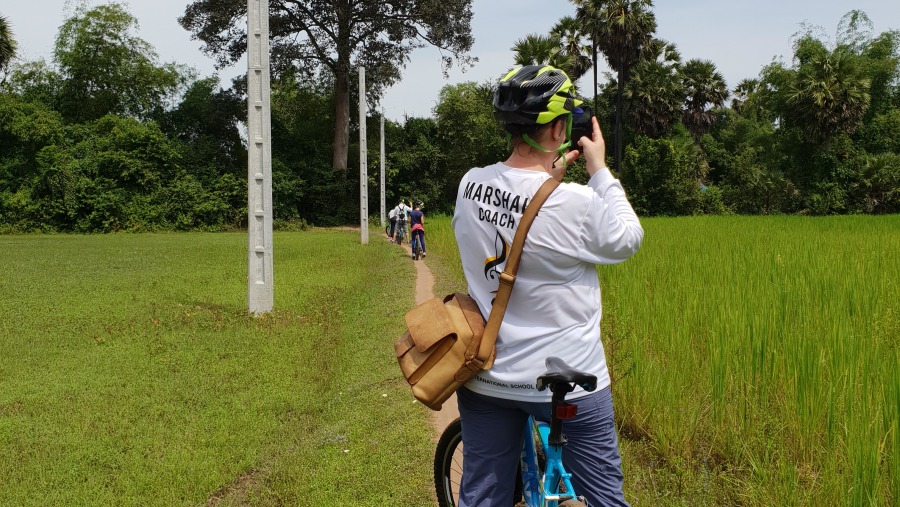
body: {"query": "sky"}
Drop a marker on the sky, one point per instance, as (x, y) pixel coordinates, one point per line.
(739, 36)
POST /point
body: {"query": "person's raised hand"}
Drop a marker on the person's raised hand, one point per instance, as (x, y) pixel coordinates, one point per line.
(594, 149)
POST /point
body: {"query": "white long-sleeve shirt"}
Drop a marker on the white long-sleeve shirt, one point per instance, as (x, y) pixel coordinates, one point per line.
(555, 308)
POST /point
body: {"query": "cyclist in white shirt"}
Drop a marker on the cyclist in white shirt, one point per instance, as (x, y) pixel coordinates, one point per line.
(392, 216)
(401, 215)
(554, 309)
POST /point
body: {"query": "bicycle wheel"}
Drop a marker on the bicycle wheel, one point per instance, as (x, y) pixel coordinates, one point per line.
(448, 465)
(387, 230)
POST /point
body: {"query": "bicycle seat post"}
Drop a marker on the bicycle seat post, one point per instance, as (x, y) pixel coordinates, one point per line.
(559, 411)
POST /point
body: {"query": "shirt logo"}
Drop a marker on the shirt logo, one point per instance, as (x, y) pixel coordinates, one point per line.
(501, 249)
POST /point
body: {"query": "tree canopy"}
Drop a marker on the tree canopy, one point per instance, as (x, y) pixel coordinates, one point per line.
(105, 68)
(330, 38)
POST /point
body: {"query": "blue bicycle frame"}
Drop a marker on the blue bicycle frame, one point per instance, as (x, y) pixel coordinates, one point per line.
(555, 473)
(546, 486)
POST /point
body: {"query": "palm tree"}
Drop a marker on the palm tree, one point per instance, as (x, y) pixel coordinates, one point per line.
(7, 44)
(704, 88)
(620, 29)
(536, 49)
(654, 92)
(568, 32)
(829, 94)
(743, 93)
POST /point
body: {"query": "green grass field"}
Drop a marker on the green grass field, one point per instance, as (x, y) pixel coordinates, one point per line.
(756, 360)
(755, 363)
(131, 374)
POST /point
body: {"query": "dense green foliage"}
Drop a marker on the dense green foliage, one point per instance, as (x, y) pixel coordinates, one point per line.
(106, 138)
(746, 369)
(137, 378)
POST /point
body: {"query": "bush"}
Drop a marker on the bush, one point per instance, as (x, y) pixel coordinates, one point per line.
(661, 177)
(712, 201)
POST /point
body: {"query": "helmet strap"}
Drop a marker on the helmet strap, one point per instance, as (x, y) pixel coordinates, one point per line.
(561, 151)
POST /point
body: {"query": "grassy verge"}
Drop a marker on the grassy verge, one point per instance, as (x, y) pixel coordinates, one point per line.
(443, 259)
(131, 374)
(754, 359)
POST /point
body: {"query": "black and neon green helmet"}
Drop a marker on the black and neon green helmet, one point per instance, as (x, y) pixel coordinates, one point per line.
(534, 95)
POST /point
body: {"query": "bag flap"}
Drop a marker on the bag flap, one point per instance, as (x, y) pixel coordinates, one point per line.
(476, 321)
(429, 323)
(460, 323)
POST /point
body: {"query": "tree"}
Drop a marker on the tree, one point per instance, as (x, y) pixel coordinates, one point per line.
(7, 44)
(207, 122)
(563, 48)
(34, 81)
(619, 29)
(106, 69)
(661, 175)
(878, 183)
(704, 87)
(414, 165)
(536, 49)
(335, 36)
(467, 133)
(303, 184)
(743, 93)
(828, 94)
(571, 39)
(654, 92)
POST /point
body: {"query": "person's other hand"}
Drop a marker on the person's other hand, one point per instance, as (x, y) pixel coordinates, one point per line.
(594, 149)
(558, 170)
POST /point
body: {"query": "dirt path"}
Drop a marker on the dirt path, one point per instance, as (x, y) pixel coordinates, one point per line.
(424, 292)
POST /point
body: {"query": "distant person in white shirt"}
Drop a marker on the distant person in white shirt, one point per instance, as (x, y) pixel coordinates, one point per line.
(554, 309)
(392, 216)
(401, 212)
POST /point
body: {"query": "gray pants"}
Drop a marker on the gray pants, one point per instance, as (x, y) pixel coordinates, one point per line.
(492, 434)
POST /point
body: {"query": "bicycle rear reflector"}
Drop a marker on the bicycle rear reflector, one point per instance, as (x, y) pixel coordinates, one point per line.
(566, 411)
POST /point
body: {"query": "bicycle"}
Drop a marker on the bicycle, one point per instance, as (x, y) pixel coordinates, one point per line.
(416, 247)
(542, 481)
(400, 230)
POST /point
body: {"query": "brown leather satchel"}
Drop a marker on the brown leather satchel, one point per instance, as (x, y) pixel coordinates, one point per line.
(447, 341)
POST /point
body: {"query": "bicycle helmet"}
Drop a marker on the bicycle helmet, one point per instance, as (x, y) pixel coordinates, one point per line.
(532, 96)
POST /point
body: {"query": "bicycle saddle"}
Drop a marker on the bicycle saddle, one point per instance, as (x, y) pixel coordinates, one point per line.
(559, 371)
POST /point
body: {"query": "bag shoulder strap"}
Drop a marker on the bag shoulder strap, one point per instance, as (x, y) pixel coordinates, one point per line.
(508, 276)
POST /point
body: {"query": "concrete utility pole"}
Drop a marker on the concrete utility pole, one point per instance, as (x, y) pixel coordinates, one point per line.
(363, 174)
(260, 292)
(382, 168)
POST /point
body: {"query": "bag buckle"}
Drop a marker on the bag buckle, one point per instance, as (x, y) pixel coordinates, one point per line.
(471, 365)
(507, 279)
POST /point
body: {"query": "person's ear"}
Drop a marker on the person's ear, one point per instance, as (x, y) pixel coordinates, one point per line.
(560, 129)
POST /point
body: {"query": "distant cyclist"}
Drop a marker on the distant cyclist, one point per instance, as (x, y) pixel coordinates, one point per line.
(417, 225)
(392, 215)
(401, 216)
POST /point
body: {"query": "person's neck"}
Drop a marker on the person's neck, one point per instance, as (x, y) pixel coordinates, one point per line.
(532, 159)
